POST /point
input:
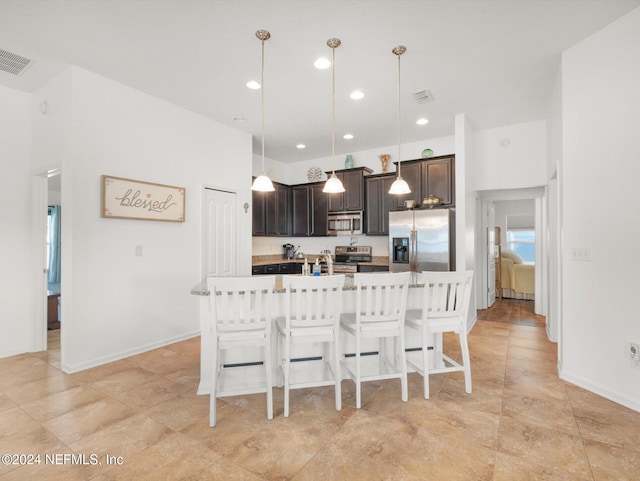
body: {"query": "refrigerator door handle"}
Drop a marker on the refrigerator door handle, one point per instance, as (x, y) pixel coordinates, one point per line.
(413, 251)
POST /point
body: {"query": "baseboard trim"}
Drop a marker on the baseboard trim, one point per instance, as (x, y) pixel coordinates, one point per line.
(72, 368)
(600, 390)
(14, 352)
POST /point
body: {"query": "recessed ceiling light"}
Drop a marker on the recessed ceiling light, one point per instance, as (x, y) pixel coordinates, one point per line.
(322, 63)
(356, 95)
(239, 119)
(422, 121)
(301, 146)
(253, 85)
(347, 136)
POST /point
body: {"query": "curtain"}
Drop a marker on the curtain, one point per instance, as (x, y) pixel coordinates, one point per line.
(54, 244)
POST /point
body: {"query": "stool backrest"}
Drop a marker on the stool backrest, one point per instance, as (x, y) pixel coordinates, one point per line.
(381, 297)
(446, 294)
(312, 301)
(241, 303)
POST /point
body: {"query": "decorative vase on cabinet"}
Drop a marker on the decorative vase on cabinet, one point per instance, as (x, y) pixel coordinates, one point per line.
(348, 162)
(384, 159)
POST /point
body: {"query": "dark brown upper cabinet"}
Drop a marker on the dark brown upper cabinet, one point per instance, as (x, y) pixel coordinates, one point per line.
(309, 207)
(378, 203)
(352, 199)
(433, 176)
(272, 211)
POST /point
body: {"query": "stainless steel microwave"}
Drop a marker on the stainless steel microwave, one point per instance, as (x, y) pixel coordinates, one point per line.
(344, 223)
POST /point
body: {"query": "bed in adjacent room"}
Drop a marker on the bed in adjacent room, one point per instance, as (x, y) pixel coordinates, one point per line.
(518, 278)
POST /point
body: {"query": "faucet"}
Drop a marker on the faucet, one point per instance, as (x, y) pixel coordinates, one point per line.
(329, 261)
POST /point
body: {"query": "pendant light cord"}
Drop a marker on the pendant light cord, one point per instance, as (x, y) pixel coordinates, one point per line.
(399, 158)
(333, 109)
(262, 86)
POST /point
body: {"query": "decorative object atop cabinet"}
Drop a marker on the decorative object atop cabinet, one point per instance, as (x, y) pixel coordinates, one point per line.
(352, 199)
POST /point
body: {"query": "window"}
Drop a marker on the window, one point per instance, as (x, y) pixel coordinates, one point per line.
(523, 243)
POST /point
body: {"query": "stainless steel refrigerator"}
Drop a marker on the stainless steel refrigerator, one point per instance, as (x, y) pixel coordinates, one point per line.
(422, 240)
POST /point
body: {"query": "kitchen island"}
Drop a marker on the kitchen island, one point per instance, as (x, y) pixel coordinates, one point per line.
(243, 360)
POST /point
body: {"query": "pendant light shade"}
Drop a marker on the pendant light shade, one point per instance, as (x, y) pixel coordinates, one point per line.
(399, 185)
(333, 184)
(263, 183)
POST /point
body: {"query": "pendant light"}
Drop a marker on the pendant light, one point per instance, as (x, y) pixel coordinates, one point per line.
(263, 183)
(333, 184)
(399, 185)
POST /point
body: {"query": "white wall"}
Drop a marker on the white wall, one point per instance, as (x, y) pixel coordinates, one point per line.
(510, 157)
(15, 234)
(601, 101)
(116, 304)
(466, 249)
(54, 197)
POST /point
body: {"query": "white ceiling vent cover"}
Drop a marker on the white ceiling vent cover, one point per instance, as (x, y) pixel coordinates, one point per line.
(423, 96)
(12, 63)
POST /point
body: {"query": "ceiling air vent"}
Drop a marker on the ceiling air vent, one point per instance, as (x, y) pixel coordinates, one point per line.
(12, 63)
(423, 96)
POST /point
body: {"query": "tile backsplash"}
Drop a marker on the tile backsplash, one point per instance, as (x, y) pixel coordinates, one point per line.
(273, 245)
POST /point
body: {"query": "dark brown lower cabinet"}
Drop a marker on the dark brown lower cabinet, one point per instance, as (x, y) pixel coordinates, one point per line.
(376, 268)
(283, 268)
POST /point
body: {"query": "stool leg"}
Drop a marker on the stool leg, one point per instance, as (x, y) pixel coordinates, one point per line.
(403, 365)
(336, 371)
(425, 360)
(214, 388)
(267, 366)
(358, 373)
(287, 372)
(464, 347)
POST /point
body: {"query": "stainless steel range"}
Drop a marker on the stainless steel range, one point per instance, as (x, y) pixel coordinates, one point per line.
(347, 258)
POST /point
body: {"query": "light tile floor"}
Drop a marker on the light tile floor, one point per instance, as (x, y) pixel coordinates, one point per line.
(521, 422)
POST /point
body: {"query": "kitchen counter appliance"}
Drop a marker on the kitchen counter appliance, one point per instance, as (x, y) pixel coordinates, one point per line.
(347, 258)
(288, 251)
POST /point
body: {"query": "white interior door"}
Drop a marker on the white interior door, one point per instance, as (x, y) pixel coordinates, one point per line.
(220, 233)
(491, 264)
(491, 254)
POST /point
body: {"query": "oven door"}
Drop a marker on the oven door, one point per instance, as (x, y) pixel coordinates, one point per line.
(345, 267)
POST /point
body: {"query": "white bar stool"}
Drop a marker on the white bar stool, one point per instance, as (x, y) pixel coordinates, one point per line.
(381, 301)
(312, 315)
(241, 308)
(445, 297)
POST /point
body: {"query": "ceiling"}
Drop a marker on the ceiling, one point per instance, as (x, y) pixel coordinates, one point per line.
(494, 60)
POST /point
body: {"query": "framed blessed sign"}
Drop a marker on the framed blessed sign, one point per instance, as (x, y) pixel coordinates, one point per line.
(135, 199)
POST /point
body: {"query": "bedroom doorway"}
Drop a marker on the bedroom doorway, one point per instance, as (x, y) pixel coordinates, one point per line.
(520, 214)
(53, 259)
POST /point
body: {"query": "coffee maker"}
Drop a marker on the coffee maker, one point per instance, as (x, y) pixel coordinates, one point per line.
(288, 251)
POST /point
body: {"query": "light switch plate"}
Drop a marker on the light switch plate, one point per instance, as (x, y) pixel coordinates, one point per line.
(581, 254)
(138, 251)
